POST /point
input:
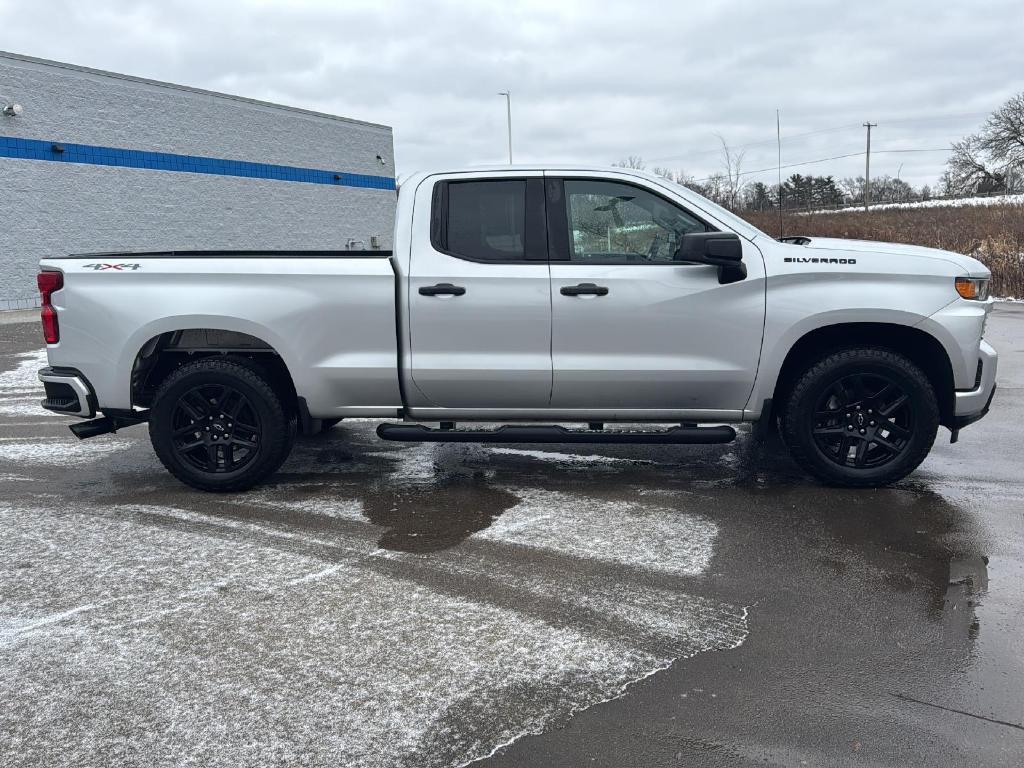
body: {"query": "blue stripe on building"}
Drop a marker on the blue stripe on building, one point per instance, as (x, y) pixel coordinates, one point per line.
(34, 149)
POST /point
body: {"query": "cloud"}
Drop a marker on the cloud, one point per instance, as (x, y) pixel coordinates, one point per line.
(591, 82)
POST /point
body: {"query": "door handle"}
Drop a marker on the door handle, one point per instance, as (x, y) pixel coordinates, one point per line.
(584, 289)
(442, 289)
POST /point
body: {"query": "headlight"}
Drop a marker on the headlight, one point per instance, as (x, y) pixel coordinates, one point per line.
(973, 288)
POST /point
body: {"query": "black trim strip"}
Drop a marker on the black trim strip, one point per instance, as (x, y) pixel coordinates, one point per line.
(558, 222)
(418, 433)
(535, 247)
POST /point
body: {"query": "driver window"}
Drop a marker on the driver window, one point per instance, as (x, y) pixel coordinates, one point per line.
(613, 223)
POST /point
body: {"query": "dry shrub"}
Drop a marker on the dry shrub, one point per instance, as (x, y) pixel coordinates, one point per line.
(993, 234)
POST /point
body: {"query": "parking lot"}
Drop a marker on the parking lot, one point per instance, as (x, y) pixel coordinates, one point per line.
(430, 605)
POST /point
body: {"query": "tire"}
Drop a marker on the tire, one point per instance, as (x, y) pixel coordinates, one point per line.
(862, 417)
(244, 438)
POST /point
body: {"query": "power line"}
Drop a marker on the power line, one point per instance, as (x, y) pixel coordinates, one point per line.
(826, 159)
(831, 129)
(938, 118)
(791, 165)
(897, 151)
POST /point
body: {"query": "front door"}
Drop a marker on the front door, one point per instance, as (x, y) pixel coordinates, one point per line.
(632, 328)
(479, 295)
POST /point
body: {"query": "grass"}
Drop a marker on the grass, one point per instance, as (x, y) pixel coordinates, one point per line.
(992, 234)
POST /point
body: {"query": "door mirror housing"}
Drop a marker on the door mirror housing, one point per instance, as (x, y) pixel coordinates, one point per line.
(718, 249)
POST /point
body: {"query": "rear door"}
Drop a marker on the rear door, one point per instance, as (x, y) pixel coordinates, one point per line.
(479, 295)
(631, 327)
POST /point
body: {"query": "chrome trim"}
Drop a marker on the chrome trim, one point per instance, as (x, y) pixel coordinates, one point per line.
(974, 400)
(82, 390)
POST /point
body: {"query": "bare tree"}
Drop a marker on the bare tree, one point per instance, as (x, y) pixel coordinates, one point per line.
(680, 177)
(1003, 135)
(852, 189)
(991, 160)
(634, 162)
(718, 188)
(732, 163)
(970, 170)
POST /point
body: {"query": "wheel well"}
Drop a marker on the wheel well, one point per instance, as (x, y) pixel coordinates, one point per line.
(163, 354)
(920, 347)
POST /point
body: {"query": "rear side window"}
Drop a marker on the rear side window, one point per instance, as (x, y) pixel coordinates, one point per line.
(486, 220)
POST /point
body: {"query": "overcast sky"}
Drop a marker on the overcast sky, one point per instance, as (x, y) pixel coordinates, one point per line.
(591, 82)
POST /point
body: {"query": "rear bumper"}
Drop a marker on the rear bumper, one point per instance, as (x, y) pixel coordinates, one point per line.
(67, 392)
(970, 405)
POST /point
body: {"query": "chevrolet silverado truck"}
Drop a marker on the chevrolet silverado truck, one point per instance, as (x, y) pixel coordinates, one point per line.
(526, 304)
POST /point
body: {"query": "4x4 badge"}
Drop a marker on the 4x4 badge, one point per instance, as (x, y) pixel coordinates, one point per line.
(118, 267)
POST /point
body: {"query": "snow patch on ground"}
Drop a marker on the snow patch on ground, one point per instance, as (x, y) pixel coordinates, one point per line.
(340, 509)
(633, 534)
(945, 203)
(23, 377)
(568, 458)
(414, 464)
(173, 621)
(58, 450)
(20, 389)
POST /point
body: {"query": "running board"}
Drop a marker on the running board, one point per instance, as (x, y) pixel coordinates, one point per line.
(417, 433)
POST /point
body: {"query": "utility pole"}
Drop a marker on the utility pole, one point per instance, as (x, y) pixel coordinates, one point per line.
(508, 110)
(867, 166)
(778, 139)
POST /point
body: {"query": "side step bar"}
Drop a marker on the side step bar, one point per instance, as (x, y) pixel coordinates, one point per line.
(417, 433)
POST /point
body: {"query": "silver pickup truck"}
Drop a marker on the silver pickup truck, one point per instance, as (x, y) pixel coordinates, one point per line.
(526, 304)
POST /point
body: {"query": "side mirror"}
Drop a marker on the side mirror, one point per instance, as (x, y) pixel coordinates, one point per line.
(719, 249)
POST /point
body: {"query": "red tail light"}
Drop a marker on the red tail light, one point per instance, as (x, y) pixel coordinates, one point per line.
(49, 282)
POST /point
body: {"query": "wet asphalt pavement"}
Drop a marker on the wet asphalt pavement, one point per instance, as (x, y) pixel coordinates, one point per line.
(387, 605)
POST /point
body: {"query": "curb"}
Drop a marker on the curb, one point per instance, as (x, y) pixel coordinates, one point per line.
(13, 316)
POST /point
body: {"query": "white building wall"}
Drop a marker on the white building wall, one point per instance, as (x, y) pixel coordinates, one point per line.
(56, 206)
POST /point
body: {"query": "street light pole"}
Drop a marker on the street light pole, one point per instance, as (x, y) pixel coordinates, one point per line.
(508, 110)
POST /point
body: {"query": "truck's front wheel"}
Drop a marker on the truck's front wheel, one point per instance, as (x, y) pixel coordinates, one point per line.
(218, 425)
(862, 417)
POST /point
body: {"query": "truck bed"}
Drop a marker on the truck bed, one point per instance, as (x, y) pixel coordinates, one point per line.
(330, 315)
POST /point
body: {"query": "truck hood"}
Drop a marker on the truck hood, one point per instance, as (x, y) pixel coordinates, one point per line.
(968, 264)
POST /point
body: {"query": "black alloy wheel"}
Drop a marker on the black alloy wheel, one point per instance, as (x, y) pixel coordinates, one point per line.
(219, 424)
(215, 428)
(863, 421)
(860, 417)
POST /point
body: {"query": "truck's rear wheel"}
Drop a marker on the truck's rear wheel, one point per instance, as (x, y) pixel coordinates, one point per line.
(218, 425)
(862, 417)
